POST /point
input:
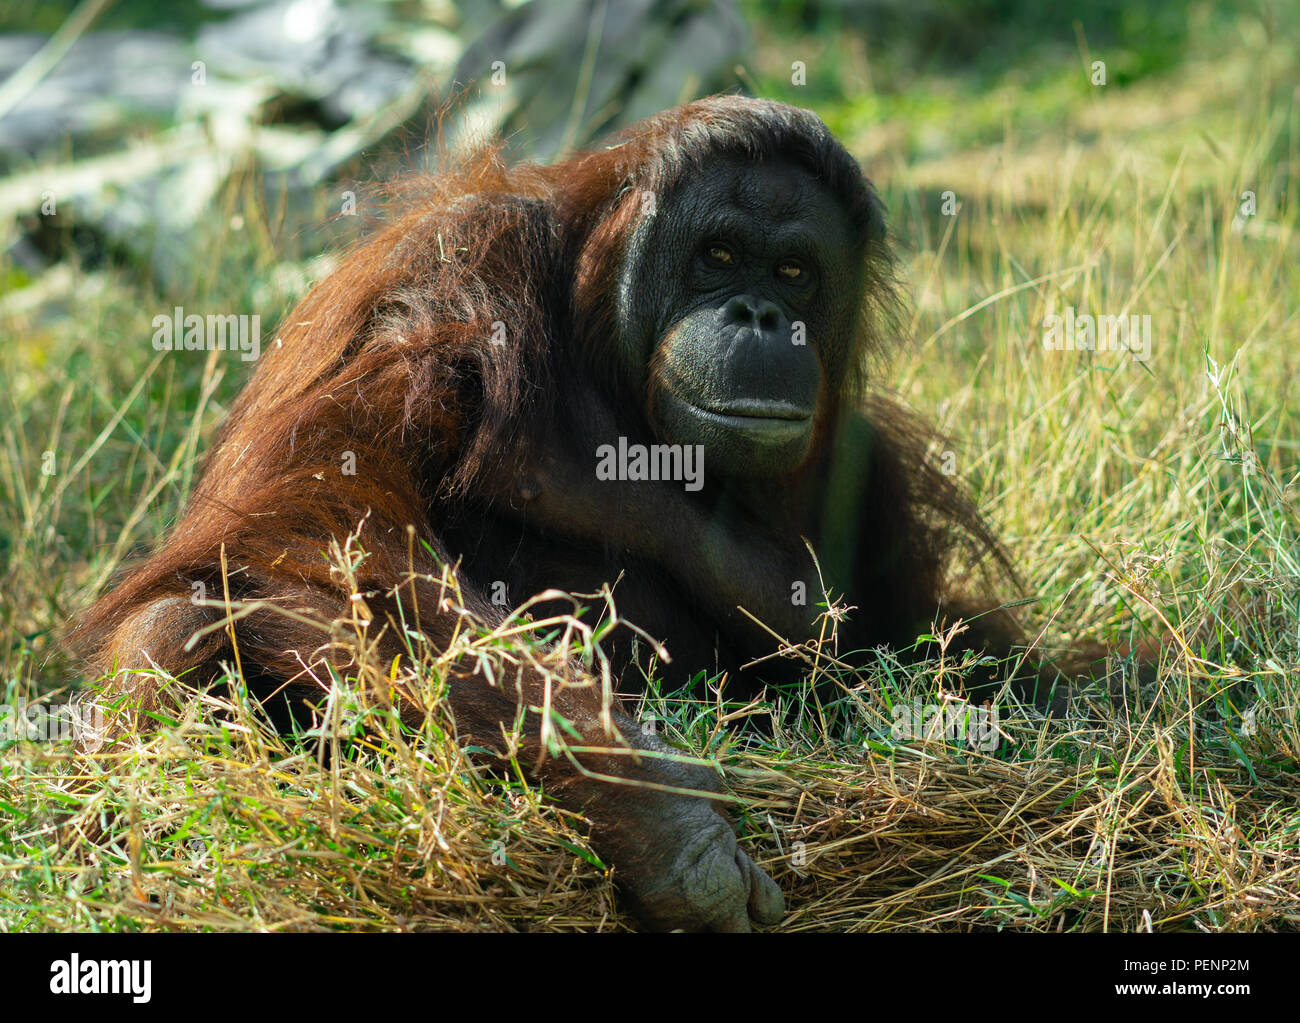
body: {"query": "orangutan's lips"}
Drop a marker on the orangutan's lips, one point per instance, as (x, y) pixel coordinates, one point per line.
(753, 408)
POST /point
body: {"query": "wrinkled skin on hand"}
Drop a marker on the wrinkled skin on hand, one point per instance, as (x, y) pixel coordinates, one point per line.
(698, 879)
(677, 859)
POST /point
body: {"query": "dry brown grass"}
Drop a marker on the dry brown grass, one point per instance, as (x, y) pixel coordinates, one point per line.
(1103, 821)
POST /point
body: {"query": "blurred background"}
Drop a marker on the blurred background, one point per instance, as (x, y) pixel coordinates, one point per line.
(135, 117)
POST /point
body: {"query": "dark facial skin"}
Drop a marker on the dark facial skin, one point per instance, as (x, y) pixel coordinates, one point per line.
(738, 305)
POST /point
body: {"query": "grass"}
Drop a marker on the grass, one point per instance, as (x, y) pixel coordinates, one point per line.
(1138, 499)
